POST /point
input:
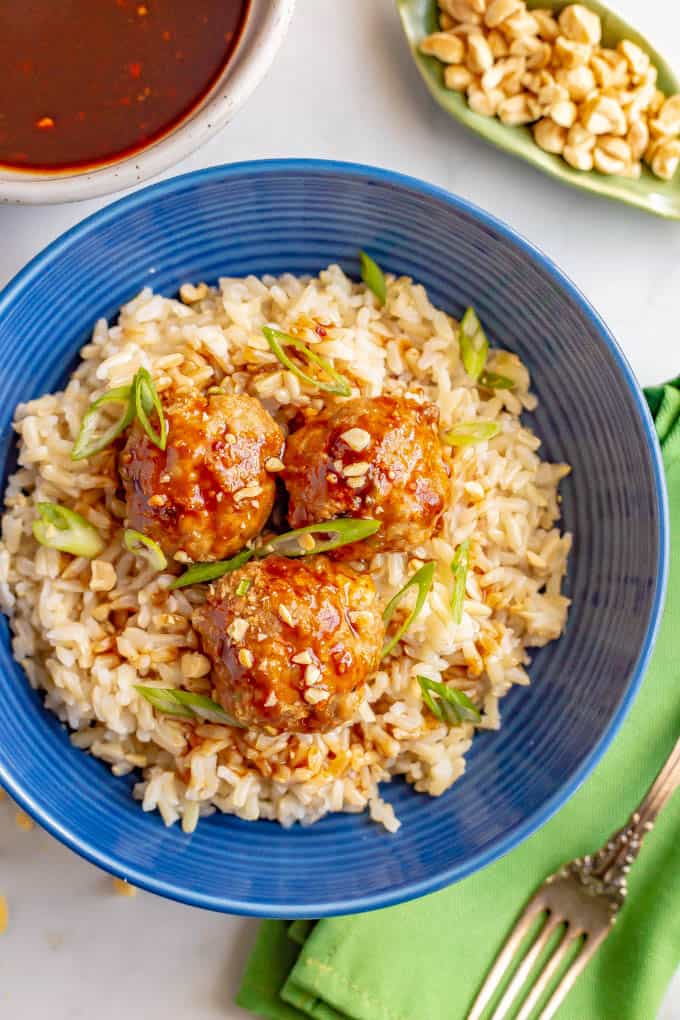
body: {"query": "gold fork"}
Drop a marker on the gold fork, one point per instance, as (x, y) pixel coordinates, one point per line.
(585, 897)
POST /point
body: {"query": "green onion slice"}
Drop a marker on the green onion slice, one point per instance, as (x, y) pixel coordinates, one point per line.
(494, 381)
(146, 401)
(140, 545)
(278, 341)
(89, 440)
(202, 572)
(63, 529)
(343, 531)
(373, 277)
(243, 586)
(186, 705)
(459, 569)
(473, 344)
(465, 433)
(450, 705)
(423, 580)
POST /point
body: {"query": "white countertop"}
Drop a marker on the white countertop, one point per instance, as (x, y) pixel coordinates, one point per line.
(343, 87)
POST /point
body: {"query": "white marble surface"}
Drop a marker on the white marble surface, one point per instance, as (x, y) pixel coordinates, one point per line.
(343, 88)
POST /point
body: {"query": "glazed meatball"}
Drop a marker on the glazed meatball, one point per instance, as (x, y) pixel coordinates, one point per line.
(294, 651)
(375, 457)
(210, 490)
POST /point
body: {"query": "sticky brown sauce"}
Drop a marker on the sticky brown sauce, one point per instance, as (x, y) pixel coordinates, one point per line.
(84, 82)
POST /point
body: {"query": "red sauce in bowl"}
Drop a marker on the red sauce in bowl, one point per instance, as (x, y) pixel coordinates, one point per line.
(85, 82)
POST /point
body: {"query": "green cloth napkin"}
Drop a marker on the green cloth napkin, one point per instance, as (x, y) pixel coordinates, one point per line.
(425, 960)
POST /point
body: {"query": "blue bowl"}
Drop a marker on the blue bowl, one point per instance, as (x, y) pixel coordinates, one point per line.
(300, 215)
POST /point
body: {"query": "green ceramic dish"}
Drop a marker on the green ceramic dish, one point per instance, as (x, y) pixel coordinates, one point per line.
(419, 18)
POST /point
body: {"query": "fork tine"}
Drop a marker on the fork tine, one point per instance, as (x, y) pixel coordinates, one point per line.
(548, 973)
(525, 968)
(557, 997)
(533, 908)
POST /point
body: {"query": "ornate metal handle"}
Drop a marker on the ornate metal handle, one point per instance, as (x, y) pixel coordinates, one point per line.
(606, 870)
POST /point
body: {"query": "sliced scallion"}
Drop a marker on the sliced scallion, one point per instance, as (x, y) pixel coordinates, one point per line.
(423, 580)
(64, 529)
(459, 569)
(494, 381)
(450, 705)
(373, 277)
(140, 545)
(473, 344)
(146, 401)
(465, 433)
(243, 586)
(278, 341)
(200, 573)
(345, 529)
(186, 705)
(91, 441)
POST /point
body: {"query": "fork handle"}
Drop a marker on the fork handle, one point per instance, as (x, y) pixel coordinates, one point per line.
(611, 864)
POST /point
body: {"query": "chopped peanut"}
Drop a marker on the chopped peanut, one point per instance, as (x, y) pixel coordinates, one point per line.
(578, 81)
(579, 158)
(636, 58)
(550, 136)
(483, 102)
(103, 576)
(548, 28)
(602, 115)
(123, 888)
(457, 77)
(479, 56)
(194, 665)
(564, 113)
(447, 48)
(638, 138)
(571, 54)
(611, 155)
(666, 159)
(519, 109)
(497, 43)
(499, 10)
(580, 25)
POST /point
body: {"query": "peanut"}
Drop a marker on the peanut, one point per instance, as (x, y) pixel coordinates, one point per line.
(550, 136)
(447, 48)
(666, 159)
(520, 109)
(479, 55)
(457, 77)
(580, 25)
(499, 10)
(484, 103)
(548, 28)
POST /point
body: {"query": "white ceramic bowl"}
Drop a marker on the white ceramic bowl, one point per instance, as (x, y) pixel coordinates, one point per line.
(264, 31)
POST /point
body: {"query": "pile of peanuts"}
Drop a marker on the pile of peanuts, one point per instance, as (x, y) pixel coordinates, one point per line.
(598, 108)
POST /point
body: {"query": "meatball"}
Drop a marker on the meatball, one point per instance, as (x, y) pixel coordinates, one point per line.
(210, 490)
(375, 457)
(294, 650)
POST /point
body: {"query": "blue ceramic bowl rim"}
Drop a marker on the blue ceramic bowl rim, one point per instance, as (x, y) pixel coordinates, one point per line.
(523, 829)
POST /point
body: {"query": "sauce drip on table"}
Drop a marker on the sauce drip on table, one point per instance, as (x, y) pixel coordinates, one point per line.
(83, 82)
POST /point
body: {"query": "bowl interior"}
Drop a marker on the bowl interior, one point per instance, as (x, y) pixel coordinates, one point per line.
(298, 216)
